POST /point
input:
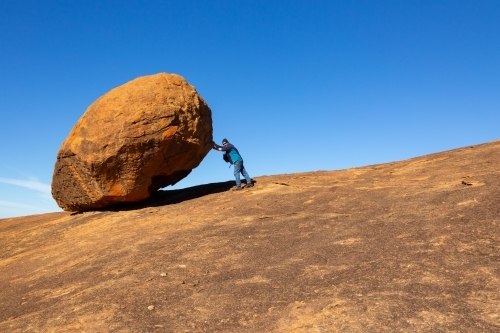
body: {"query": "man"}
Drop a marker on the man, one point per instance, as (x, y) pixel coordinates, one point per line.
(236, 159)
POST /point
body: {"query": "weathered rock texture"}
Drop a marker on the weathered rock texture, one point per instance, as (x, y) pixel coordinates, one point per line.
(411, 246)
(139, 137)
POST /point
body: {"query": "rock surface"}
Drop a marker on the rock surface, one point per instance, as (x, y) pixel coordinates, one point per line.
(144, 135)
(410, 246)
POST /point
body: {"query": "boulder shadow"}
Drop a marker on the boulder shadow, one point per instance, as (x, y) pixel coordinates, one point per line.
(170, 197)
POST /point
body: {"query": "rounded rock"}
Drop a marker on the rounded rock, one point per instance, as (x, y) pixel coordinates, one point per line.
(137, 138)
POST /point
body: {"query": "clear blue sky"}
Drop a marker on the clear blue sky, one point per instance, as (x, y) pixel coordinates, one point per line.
(295, 85)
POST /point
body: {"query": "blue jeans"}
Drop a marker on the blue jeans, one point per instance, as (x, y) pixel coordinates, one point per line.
(238, 167)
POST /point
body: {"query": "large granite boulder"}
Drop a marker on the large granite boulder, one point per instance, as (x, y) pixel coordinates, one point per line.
(144, 135)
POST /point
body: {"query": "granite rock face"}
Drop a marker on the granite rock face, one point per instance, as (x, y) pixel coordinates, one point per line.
(144, 135)
(408, 246)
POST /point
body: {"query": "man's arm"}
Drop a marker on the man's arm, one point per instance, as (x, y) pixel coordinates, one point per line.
(228, 147)
(216, 146)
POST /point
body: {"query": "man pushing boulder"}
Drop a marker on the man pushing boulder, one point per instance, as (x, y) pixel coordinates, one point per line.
(232, 155)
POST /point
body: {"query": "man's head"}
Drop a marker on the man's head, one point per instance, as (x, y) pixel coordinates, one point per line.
(224, 142)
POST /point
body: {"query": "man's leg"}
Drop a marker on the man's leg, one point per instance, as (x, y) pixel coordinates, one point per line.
(237, 169)
(247, 177)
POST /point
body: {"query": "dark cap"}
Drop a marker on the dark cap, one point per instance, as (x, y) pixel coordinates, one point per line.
(224, 141)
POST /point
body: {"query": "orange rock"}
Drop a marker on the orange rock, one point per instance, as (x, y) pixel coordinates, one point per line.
(144, 135)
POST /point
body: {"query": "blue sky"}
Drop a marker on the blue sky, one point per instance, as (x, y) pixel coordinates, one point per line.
(295, 85)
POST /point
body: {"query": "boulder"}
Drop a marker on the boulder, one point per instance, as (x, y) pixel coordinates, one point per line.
(139, 137)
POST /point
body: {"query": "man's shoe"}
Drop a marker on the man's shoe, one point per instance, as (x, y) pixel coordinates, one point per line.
(236, 188)
(249, 185)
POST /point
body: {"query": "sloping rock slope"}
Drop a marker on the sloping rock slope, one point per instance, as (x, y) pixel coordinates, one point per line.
(411, 246)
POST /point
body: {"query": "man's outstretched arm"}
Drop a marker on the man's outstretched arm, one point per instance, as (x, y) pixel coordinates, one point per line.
(216, 146)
